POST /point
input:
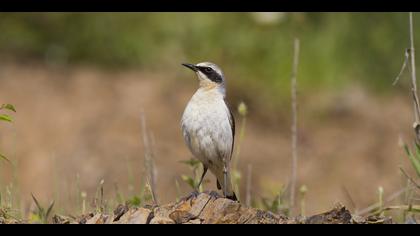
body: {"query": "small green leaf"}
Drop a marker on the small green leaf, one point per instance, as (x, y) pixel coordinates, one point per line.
(265, 204)
(414, 159)
(275, 205)
(34, 218)
(236, 175)
(190, 181)
(135, 201)
(4, 158)
(191, 162)
(418, 152)
(8, 107)
(407, 150)
(242, 109)
(5, 117)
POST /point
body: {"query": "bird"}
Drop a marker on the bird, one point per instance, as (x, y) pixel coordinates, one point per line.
(208, 125)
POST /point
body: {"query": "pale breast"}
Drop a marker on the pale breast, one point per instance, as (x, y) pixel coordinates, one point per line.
(206, 128)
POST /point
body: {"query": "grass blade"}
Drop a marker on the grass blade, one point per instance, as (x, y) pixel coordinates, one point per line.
(191, 162)
(414, 158)
(5, 117)
(49, 210)
(412, 208)
(8, 107)
(418, 152)
(4, 158)
(37, 203)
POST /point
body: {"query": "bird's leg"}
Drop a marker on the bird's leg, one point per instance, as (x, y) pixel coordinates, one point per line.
(225, 179)
(196, 192)
(214, 194)
(202, 177)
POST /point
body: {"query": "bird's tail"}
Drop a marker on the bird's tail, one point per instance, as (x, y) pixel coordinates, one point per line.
(232, 197)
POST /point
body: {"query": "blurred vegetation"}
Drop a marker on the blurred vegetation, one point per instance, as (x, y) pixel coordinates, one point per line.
(6, 118)
(254, 48)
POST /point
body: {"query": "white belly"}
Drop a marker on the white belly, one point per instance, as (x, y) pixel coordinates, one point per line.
(207, 130)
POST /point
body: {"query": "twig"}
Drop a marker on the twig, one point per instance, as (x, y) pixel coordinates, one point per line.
(153, 169)
(248, 185)
(303, 190)
(350, 198)
(376, 205)
(102, 196)
(381, 200)
(148, 158)
(410, 54)
(242, 110)
(414, 81)
(294, 124)
(415, 208)
(409, 178)
(406, 58)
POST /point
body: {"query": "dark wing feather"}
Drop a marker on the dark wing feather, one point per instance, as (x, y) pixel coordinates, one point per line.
(232, 125)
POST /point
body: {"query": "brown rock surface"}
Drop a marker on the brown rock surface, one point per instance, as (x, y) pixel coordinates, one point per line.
(205, 209)
(135, 216)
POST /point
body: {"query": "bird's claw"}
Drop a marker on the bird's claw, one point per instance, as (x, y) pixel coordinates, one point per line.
(192, 195)
(214, 194)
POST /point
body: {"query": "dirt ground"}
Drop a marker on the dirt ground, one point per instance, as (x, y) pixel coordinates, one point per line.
(85, 123)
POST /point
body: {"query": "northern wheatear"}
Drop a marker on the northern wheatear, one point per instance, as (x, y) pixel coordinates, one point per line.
(208, 125)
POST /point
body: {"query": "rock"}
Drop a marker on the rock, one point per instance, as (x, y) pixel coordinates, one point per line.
(205, 209)
(162, 220)
(255, 216)
(378, 220)
(373, 219)
(119, 211)
(109, 219)
(339, 215)
(163, 211)
(194, 222)
(199, 203)
(59, 219)
(84, 218)
(135, 216)
(5, 218)
(99, 218)
(221, 210)
(356, 219)
(181, 212)
(9, 221)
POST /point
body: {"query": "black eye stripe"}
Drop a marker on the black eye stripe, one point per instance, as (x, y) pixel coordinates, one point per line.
(205, 69)
(211, 74)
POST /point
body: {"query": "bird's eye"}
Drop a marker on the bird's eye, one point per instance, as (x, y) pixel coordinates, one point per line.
(208, 69)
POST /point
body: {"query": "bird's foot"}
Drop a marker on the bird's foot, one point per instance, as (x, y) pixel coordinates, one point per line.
(192, 195)
(213, 194)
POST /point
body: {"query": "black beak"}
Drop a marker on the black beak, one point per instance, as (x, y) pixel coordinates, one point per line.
(191, 66)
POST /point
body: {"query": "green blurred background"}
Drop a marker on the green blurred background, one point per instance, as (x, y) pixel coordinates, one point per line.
(255, 47)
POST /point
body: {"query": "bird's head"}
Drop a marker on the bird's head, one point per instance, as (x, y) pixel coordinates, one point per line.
(209, 74)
